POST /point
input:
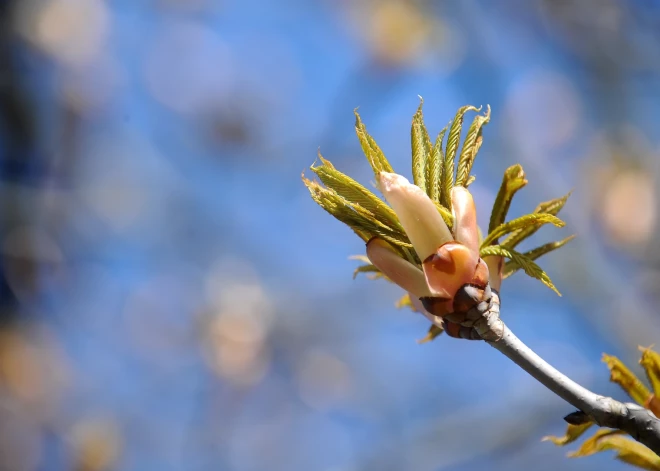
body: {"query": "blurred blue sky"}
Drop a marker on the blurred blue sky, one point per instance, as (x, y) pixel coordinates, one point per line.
(200, 303)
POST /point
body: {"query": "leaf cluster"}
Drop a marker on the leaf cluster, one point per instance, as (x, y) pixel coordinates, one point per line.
(438, 165)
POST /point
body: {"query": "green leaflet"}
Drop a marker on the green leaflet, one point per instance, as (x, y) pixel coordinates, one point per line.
(404, 301)
(548, 207)
(471, 146)
(511, 267)
(650, 361)
(626, 379)
(434, 168)
(355, 216)
(366, 269)
(573, 432)
(374, 155)
(351, 190)
(446, 215)
(433, 332)
(453, 140)
(533, 220)
(528, 265)
(362, 258)
(421, 149)
(513, 180)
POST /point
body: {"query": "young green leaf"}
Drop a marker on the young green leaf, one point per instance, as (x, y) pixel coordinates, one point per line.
(513, 180)
(626, 379)
(374, 155)
(471, 146)
(521, 223)
(355, 216)
(511, 267)
(366, 269)
(650, 361)
(453, 140)
(434, 168)
(348, 188)
(548, 207)
(433, 332)
(421, 149)
(446, 215)
(404, 301)
(573, 432)
(528, 265)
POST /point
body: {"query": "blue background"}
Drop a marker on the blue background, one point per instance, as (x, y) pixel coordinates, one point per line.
(172, 299)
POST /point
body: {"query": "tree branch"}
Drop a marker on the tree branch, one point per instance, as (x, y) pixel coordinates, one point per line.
(638, 422)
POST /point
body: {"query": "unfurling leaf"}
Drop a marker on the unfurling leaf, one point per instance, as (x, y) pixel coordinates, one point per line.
(446, 215)
(523, 222)
(511, 267)
(513, 180)
(366, 269)
(573, 432)
(528, 265)
(355, 216)
(351, 190)
(628, 450)
(451, 149)
(360, 258)
(374, 155)
(471, 146)
(405, 301)
(421, 149)
(434, 168)
(650, 361)
(433, 332)
(621, 375)
(548, 207)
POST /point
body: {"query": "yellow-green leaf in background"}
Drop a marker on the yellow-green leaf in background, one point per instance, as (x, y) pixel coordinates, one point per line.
(360, 258)
(650, 361)
(354, 192)
(528, 265)
(471, 146)
(523, 222)
(513, 180)
(434, 168)
(511, 267)
(573, 432)
(621, 375)
(374, 155)
(628, 450)
(367, 269)
(421, 149)
(433, 332)
(548, 207)
(404, 301)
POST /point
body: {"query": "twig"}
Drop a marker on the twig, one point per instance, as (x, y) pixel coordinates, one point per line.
(638, 422)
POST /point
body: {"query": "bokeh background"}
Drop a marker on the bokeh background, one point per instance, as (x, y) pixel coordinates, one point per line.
(172, 299)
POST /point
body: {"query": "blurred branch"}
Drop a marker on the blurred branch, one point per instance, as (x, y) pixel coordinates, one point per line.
(633, 419)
